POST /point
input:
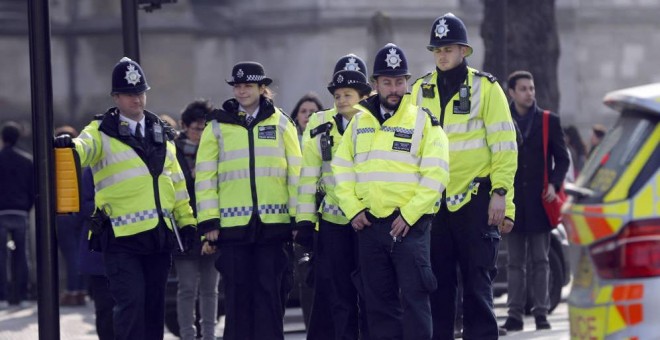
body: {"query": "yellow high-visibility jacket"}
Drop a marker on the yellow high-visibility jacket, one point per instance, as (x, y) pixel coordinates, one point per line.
(316, 174)
(482, 143)
(134, 191)
(401, 164)
(244, 174)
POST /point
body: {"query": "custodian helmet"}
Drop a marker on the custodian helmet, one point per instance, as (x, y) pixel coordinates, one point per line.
(128, 77)
(448, 30)
(390, 61)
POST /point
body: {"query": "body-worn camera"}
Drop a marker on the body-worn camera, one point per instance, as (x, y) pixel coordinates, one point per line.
(326, 142)
(464, 98)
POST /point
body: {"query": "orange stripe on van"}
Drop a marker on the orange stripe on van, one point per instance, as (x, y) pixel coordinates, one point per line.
(628, 292)
(599, 227)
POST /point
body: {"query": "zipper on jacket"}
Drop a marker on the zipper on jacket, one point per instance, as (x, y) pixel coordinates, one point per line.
(253, 180)
(161, 218)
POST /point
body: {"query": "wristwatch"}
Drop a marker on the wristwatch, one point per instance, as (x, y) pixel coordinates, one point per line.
(500, 191)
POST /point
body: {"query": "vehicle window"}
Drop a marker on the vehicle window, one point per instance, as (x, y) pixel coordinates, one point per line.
(614, 154)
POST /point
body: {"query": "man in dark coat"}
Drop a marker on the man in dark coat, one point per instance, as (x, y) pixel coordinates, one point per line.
(16, 200)
(531, 234)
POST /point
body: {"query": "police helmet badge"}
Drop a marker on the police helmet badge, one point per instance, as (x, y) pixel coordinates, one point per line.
(340, 79)
(132, 75)
(240, 73)
(393, 59)
(351, 65)
(441, 29)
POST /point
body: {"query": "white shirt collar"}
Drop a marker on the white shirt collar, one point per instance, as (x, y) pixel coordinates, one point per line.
(344, 122)
(132, 124)
(253, 115)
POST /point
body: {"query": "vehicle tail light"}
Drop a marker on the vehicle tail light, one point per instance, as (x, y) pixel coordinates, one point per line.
(633, 253)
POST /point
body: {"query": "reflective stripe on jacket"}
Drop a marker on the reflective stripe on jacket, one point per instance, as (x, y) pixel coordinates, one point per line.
(126, 189)
(241, 172)
(482, 142)
(316, 174)
(402, 164)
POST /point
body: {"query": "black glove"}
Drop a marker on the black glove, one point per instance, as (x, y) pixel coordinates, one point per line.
(188, 237)
(63, 141)
(305, 235)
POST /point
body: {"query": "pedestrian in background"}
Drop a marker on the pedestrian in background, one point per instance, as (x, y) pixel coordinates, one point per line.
(472, 109)
(335, 306)
(16, 201)
(531, 236)
(69, 227)
(390, 168)
(247, 170)
(304, 108)
(140, 198)
(197, 277)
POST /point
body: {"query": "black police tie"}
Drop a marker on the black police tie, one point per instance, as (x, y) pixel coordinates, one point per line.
(248, 120)
(138, 132)
(387, 116)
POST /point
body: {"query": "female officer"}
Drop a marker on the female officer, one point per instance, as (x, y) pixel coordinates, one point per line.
(247, 170)
(335, 257)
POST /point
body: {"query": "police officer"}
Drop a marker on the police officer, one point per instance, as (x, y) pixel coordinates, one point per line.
(473, 111)
(247, 170)
(390, 168)
(141, 192)
(335, 254)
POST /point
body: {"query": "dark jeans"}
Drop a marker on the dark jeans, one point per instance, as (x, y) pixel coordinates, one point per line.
(397, 280)
(137, 284)
(103, 305)
(69, 228)
(16, 226)
(465, 238)
(537, 245)
(335, 309)
(252, 276)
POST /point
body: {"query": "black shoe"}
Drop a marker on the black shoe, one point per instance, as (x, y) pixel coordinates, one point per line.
(501, 331)
(541, 322)
(513, 325)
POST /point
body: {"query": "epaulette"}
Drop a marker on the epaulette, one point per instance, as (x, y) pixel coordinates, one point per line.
(212, 115)
(320, 129)
(434, 121)
(287, 115)
(169, 132)
(422, 77)
(490, 77)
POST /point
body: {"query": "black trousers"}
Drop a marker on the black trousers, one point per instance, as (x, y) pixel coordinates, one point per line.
(137, 284)
(252, 276)
(397, 280)
(464, 238)
(335, 311)
(103, 305)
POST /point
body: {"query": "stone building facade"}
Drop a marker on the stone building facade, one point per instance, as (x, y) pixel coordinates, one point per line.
(188, 48)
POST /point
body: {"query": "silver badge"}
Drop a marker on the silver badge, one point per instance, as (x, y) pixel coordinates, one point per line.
(132, 75)
(240, 73)
(393, 59)
(351, 65)
(340, 79)
(441, 29)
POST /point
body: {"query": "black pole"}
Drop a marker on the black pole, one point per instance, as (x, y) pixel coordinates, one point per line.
(42, 134)
(130, 32)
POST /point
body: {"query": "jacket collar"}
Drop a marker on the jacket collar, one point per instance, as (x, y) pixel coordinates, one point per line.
(230, 108)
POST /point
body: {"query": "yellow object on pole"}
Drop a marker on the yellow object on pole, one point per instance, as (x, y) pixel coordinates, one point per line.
(67, 180)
